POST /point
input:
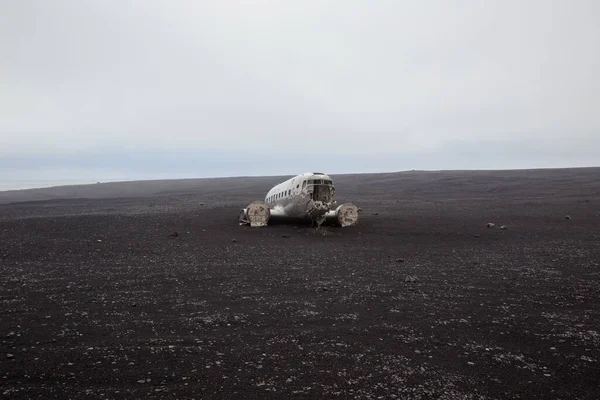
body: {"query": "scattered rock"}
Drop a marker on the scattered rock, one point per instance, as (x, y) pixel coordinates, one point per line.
(470, 363)
(476, 236)
(233, 240)
(286, 236)
(375, 213)
(490, 225)
(174, 234)
(201, 203)
(503, 227)
(410, 279)
(99, 241)
(567, 217)
(10, 355)
(400, 260)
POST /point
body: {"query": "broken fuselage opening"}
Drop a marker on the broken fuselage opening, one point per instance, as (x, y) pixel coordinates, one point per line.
(320, 190)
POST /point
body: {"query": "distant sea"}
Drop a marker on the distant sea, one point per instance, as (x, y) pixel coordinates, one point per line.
(20, 185)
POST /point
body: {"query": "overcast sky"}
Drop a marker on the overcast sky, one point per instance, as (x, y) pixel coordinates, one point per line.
(118, 89)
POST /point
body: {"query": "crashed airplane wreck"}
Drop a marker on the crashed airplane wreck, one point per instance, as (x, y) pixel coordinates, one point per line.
(308, 196)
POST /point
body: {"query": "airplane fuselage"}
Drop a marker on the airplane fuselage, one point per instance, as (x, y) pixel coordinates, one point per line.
(309, 195)
(305, 195)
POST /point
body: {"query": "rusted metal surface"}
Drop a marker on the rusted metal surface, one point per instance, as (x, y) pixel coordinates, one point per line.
(347, 215)
(257, 214)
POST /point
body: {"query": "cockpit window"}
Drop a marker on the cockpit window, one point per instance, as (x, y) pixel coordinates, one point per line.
(327, 182)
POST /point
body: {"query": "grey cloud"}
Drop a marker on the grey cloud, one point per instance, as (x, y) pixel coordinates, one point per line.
(326, 77)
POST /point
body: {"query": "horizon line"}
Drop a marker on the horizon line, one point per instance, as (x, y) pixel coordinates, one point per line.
(275, 176)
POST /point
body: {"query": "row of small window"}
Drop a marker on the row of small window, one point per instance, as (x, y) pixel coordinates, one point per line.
(279, 195)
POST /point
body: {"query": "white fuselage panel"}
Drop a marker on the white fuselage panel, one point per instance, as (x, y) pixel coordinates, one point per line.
(308, 194)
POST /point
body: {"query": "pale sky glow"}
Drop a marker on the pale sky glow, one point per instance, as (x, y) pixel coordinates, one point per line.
(366, 78)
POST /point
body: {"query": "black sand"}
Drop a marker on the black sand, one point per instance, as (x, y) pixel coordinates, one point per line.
(99, 297)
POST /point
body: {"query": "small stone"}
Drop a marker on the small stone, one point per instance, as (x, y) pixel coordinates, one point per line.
(141, 381)
(174, 234)
(567, 217)
(233, 240)
(400, 260)
(99, 241)
(476, 236)
(503, 227)
(10, 355)
(410, 278)
(470, 363)
(201, 203)
(286, 236)
(490, 225)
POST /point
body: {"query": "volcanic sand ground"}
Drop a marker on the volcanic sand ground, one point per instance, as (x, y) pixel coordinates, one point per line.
(100, 300)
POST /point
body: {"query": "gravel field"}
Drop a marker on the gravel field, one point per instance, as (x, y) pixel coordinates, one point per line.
(151, 289)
